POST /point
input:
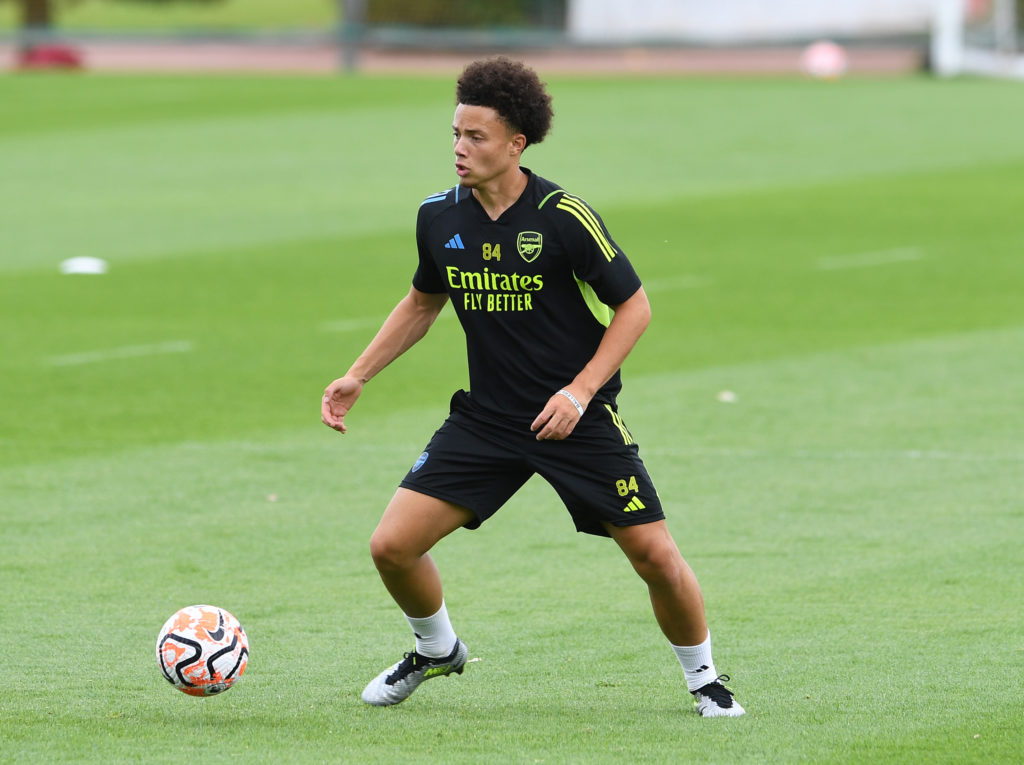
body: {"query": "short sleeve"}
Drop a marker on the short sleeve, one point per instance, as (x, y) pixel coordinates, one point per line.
(596, 258)
(427, 278)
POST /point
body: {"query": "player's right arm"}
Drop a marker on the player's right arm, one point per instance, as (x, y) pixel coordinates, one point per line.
(407, 324)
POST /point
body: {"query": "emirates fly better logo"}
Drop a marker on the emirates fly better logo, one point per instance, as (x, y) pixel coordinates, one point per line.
(529, 245)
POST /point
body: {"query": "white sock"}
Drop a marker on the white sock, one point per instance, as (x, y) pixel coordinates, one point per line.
(434, 634)
(698, 666)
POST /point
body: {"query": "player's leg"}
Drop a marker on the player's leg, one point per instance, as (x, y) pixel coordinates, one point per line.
(472, 466)
(411, 525)
(675, 593)
(679, 609)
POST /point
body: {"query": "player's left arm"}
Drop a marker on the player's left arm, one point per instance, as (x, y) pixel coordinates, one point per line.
(560, 415)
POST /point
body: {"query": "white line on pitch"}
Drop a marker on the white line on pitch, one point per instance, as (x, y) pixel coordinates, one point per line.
(924, 455)
(351, 325)
(684, 282)
(869, 259)
(124, 352)
(367, 322)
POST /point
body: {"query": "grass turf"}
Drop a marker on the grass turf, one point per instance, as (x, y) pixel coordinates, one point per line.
(220, 15)
(842, 257)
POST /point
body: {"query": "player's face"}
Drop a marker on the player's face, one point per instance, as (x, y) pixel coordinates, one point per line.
(485, 147)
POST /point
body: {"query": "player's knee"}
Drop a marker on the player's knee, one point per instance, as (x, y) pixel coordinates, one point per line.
(388, 553)
(657, 563)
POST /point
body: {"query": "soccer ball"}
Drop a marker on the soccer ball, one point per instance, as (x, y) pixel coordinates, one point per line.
(202, 650)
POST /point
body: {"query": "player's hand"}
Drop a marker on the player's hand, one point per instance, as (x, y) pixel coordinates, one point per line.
(558, 418)
(338, 399)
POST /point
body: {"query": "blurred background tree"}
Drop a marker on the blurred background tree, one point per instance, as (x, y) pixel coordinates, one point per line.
(467, 13)
(41, 15)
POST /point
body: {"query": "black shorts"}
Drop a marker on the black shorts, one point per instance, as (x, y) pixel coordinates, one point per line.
(478, 461)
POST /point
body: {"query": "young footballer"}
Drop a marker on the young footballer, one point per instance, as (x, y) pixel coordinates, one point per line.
(551, 307)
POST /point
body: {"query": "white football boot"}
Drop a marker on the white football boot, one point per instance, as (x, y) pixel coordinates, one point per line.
(396, 684)
(715, 700)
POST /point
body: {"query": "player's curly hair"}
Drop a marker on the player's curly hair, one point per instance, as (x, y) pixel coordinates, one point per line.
(513, 90)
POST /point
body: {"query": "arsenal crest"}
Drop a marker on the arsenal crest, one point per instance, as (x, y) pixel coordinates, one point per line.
(529, 245)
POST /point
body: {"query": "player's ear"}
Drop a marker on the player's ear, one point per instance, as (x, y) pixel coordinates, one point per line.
(518, 144)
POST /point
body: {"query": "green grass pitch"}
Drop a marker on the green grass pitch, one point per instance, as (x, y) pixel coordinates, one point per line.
(223, 14)
(845, 258)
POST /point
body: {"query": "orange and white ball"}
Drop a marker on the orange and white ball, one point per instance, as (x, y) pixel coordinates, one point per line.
(202, 650)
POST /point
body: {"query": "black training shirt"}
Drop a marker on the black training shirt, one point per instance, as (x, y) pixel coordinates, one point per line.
(531, 289)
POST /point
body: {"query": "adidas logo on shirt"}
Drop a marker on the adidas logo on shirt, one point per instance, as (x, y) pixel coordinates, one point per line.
(455, 243)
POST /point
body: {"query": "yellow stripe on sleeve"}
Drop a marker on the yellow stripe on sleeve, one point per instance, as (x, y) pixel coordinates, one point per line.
(583, 214)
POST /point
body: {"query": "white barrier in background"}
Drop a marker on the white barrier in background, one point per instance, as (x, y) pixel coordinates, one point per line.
(732, 21)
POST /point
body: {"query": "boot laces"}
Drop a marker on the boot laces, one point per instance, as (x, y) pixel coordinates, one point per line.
(717, 692)
(408, 664)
